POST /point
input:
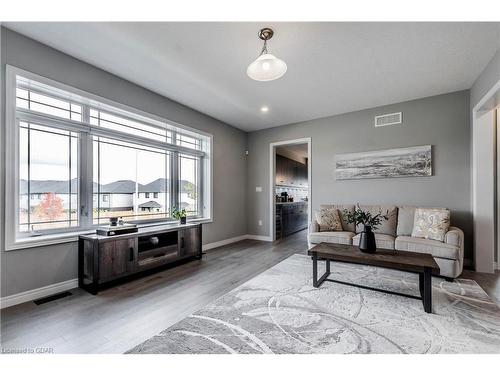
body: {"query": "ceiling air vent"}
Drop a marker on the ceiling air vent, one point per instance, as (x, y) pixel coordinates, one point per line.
(389, 119)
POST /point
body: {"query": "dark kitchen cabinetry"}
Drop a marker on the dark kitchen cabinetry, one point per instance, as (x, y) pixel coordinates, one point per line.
(303, 177)
(290, 172)
(102, 259)
(292, 218)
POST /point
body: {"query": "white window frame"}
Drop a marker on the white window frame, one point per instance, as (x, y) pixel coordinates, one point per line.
(12, 240)
(39, 195)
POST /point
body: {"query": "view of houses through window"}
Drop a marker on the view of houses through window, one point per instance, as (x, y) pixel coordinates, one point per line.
(131, 179)
(125, 178)
(48, 176)
(189, 185)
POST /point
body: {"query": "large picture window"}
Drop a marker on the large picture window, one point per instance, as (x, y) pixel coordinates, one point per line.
(79, 159)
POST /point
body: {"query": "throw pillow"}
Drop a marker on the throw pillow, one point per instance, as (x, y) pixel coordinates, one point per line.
(431, 223)
(328, 220)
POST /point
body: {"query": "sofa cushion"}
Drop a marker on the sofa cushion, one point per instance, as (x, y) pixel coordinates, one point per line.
(341, 207)
(383, 241)
(386, 226)
(406, 214)
(344, 237)
(328, 220)
(422, 245)
(431, 223)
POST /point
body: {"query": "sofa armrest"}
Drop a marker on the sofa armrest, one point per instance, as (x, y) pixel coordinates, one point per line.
(313, 226)
(455, 236)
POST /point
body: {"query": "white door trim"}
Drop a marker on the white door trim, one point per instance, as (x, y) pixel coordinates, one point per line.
(477, 111)
(272, 181)
(497, 187)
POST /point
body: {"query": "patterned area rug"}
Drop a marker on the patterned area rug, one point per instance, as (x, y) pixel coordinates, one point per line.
(279, 311)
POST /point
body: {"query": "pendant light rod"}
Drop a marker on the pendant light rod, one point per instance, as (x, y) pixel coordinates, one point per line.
(265, 34)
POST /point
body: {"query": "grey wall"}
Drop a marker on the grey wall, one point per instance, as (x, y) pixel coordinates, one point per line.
(442, 121)
(28, 269)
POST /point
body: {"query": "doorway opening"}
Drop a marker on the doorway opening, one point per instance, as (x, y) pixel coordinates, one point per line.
(290, 187)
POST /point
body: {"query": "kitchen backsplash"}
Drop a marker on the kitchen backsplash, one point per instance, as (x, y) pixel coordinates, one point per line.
(298, 194)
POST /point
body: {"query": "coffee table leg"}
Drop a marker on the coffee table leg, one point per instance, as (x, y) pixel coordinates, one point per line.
(315, 270)
(317, 283)
(427, 289)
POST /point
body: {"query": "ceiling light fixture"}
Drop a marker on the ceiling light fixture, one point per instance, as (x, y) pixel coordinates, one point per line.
(264, 109)
(266, 67)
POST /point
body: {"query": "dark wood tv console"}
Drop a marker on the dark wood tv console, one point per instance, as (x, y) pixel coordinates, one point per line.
(103, 259)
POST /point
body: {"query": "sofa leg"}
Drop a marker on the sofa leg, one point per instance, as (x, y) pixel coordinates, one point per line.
(449, 279)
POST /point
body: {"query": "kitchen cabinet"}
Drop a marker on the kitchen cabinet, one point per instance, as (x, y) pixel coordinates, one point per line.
(280, 170)
(292, 218)
(303, 179)
(290, 172)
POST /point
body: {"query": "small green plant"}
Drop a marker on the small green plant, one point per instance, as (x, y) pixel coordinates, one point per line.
(177, 214)
(358, 216)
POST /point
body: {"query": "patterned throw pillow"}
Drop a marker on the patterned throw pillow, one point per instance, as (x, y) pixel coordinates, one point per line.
(328, 220)
(431, 223)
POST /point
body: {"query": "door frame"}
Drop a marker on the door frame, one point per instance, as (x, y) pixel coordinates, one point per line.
(489, 102)
(272, 181)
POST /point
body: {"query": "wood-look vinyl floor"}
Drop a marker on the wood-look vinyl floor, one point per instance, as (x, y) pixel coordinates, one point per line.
(121, 317)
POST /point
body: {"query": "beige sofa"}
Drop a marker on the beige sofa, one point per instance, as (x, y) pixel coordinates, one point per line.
(395, 233)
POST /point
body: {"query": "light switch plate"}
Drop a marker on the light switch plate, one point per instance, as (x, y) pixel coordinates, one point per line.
(258, 189)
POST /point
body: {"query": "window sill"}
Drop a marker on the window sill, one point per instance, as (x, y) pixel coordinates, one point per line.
(54, 239)
(45, 240)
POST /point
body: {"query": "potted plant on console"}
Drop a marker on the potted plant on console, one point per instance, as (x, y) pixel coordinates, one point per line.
(370, 222)
(179, 215)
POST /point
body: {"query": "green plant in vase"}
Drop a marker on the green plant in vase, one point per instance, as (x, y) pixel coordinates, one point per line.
(179, 215)
(370, 222)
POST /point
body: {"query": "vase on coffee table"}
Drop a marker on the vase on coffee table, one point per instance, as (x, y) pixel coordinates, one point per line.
(367, 240)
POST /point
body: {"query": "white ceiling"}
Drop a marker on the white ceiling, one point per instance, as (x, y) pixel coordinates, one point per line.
(332, 67)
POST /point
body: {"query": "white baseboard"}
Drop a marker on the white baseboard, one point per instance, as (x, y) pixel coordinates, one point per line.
(259, 238)
(213, 245)
(227, 241)
(33, 294)
(48, 290)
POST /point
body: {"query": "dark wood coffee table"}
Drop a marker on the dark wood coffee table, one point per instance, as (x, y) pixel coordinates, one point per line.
(423, 264)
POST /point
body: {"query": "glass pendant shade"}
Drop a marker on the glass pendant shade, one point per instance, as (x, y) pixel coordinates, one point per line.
(266, 67)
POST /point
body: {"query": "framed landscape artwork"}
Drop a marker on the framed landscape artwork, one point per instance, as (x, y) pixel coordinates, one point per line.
(396, 162)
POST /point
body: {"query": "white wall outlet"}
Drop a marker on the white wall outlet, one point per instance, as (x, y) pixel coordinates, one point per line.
(258, 189)
(260, 223)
